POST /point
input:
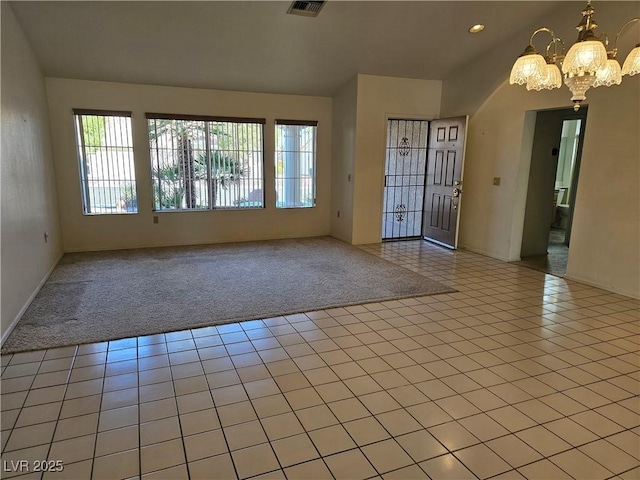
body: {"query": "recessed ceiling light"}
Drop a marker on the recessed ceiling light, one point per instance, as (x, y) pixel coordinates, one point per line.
(476, 28)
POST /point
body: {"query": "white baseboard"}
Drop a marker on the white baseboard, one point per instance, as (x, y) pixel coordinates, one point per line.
(486, 254)
(28, 302)
(608, 288)
(194, 243)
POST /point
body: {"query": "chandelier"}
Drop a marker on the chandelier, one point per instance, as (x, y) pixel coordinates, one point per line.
(588, 63)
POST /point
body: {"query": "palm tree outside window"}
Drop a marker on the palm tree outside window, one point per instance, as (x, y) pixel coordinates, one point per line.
(203, 163)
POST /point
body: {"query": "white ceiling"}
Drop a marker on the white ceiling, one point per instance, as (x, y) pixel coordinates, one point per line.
(256, 46)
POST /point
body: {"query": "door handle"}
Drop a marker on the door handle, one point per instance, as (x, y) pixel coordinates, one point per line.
(456, 197)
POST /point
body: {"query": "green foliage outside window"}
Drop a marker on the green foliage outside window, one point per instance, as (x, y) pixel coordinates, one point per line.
(93, 130)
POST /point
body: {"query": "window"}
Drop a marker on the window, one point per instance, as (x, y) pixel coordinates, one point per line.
(105, 153)
(201, 163)
(295, 163)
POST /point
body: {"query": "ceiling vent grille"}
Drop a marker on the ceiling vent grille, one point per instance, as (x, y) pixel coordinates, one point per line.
(306, 8)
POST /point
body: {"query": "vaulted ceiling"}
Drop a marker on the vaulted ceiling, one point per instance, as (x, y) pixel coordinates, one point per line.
(256, 46)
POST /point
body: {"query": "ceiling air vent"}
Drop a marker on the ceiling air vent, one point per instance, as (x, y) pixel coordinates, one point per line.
(306, 8)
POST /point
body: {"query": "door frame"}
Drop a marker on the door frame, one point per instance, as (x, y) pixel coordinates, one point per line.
(522, 180)
(575, 174)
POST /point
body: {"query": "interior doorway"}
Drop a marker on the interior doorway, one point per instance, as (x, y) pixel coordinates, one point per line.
(552, 188)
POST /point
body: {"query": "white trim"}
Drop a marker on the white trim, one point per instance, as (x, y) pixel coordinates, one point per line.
(608, 288)
(460, 198)
(439, 243)
(28, 302)
(573, 278)
(486, 254)
(192, 244)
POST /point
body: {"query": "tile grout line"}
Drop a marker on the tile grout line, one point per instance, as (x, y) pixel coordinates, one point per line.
(213, 402)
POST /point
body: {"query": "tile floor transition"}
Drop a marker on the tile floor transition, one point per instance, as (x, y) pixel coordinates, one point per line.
(518, 375)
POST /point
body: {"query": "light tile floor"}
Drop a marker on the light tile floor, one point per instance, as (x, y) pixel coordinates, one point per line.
(517, 375)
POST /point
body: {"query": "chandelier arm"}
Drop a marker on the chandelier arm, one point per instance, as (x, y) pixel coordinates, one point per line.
(555, 42)
(539, 30)
(615, 44)
(548, 47)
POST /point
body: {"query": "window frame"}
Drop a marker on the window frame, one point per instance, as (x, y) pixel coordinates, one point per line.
(207, 119)
(314, 188)
(81, 153)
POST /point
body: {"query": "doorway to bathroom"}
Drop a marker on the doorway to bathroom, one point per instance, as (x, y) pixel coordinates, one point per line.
(551, 194)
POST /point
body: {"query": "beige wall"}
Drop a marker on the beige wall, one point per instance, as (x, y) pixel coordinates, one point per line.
(605, 240)
(98, 232)
(381, 98)
(28, 195)
(344, 151)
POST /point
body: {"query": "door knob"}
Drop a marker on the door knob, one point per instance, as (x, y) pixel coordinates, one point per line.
(456, 197)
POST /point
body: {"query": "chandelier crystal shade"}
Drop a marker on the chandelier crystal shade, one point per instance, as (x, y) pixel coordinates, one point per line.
(551, 79)
(528, 65)
(584, 58)
(632, 63)
(586, 64)
(610, 74)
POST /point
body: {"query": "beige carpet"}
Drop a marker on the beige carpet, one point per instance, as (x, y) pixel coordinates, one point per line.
(101, 296)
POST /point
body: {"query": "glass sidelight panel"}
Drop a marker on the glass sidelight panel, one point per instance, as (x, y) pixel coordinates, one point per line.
(405, 167)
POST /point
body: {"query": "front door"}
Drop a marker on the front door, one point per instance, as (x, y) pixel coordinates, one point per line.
(404, 179)
(443, 191)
